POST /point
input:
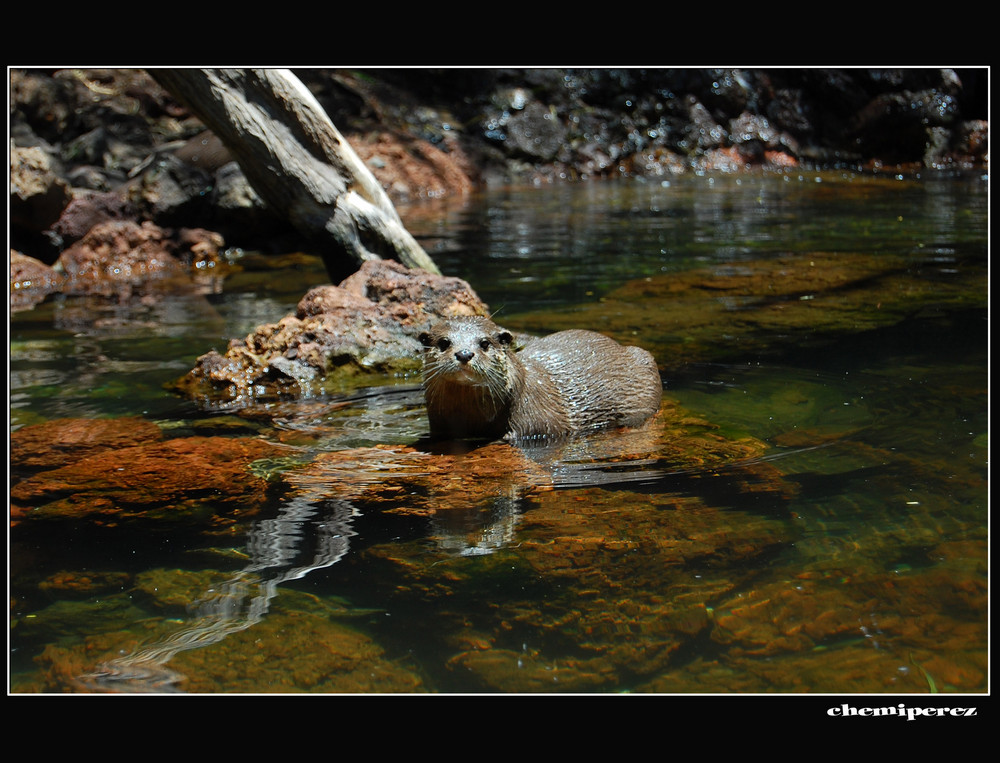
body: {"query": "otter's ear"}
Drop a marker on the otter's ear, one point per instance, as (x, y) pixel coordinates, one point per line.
(505, 338)
(425, 339)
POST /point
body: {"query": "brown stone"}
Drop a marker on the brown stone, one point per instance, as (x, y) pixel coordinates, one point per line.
(409, 168)
(195, 476)
(83, 583)
(118, 253)
(90, 209)
(368, 324)
(30, 281)
(60, 442)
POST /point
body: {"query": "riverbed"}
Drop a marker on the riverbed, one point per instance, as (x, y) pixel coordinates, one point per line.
(807, 513)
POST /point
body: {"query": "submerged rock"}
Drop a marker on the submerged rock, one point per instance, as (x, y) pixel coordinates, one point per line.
(507, 528)
(607, 583)
(298, 647)
(79, 584)
(207, 477)
(768, 306)
(60, 442)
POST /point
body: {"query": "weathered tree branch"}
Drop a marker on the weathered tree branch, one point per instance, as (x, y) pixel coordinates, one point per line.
(296, 159)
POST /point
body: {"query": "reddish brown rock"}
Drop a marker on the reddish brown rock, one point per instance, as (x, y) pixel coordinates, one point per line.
(617, 565)
(368, 324)
(199, 247)
(193, 477)
(409, 168)
(30, 281)
(60, 442)
(432, 483)
(118, 254)
(83, 583)
(90, 209)
(410, 294)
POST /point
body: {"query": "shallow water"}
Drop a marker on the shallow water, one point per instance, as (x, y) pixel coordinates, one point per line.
(808, 514)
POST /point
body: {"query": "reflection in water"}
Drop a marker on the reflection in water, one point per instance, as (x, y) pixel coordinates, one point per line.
(492, 526)
(243, 600)
(464, 533)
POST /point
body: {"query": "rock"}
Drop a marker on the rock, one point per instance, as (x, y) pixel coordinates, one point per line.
(60, 442)
(239, 211)
(45, 103)
(832, 293)
(431, 133)
(536, 132)
(897, 127)
(617, 567)
(31, 281)
(87, 210)
(298, 647)
(752, 134)
(37, 195)
(199, 247)
(181, 479)
(413, 295)
(206, 151)
(409, 168)
(89, 178)
(973, 139)
(117, 254)
(369, 324)
(74, 584)
(520, 672)
(702, 132)
(172, 192)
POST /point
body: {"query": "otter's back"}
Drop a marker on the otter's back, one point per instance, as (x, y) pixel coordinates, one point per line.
(601, 382)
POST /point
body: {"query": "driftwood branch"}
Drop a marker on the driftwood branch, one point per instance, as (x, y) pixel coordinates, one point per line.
(296, 159)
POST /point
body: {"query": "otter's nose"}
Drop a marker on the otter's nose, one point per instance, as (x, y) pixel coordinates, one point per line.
(464, 356)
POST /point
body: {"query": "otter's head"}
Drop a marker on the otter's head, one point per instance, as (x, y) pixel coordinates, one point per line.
(467, 351)
(471, 377)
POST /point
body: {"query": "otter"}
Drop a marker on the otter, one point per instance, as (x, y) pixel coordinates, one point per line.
(477, 385)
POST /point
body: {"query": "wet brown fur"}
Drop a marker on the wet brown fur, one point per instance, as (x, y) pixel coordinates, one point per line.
(477, 385)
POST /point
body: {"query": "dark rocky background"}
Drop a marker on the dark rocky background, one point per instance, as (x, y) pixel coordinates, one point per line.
(95, 145)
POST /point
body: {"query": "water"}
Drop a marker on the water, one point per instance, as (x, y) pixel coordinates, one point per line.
(808, 514)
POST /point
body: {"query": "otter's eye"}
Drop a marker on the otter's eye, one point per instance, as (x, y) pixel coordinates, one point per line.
(443, 343)
(485, 344)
